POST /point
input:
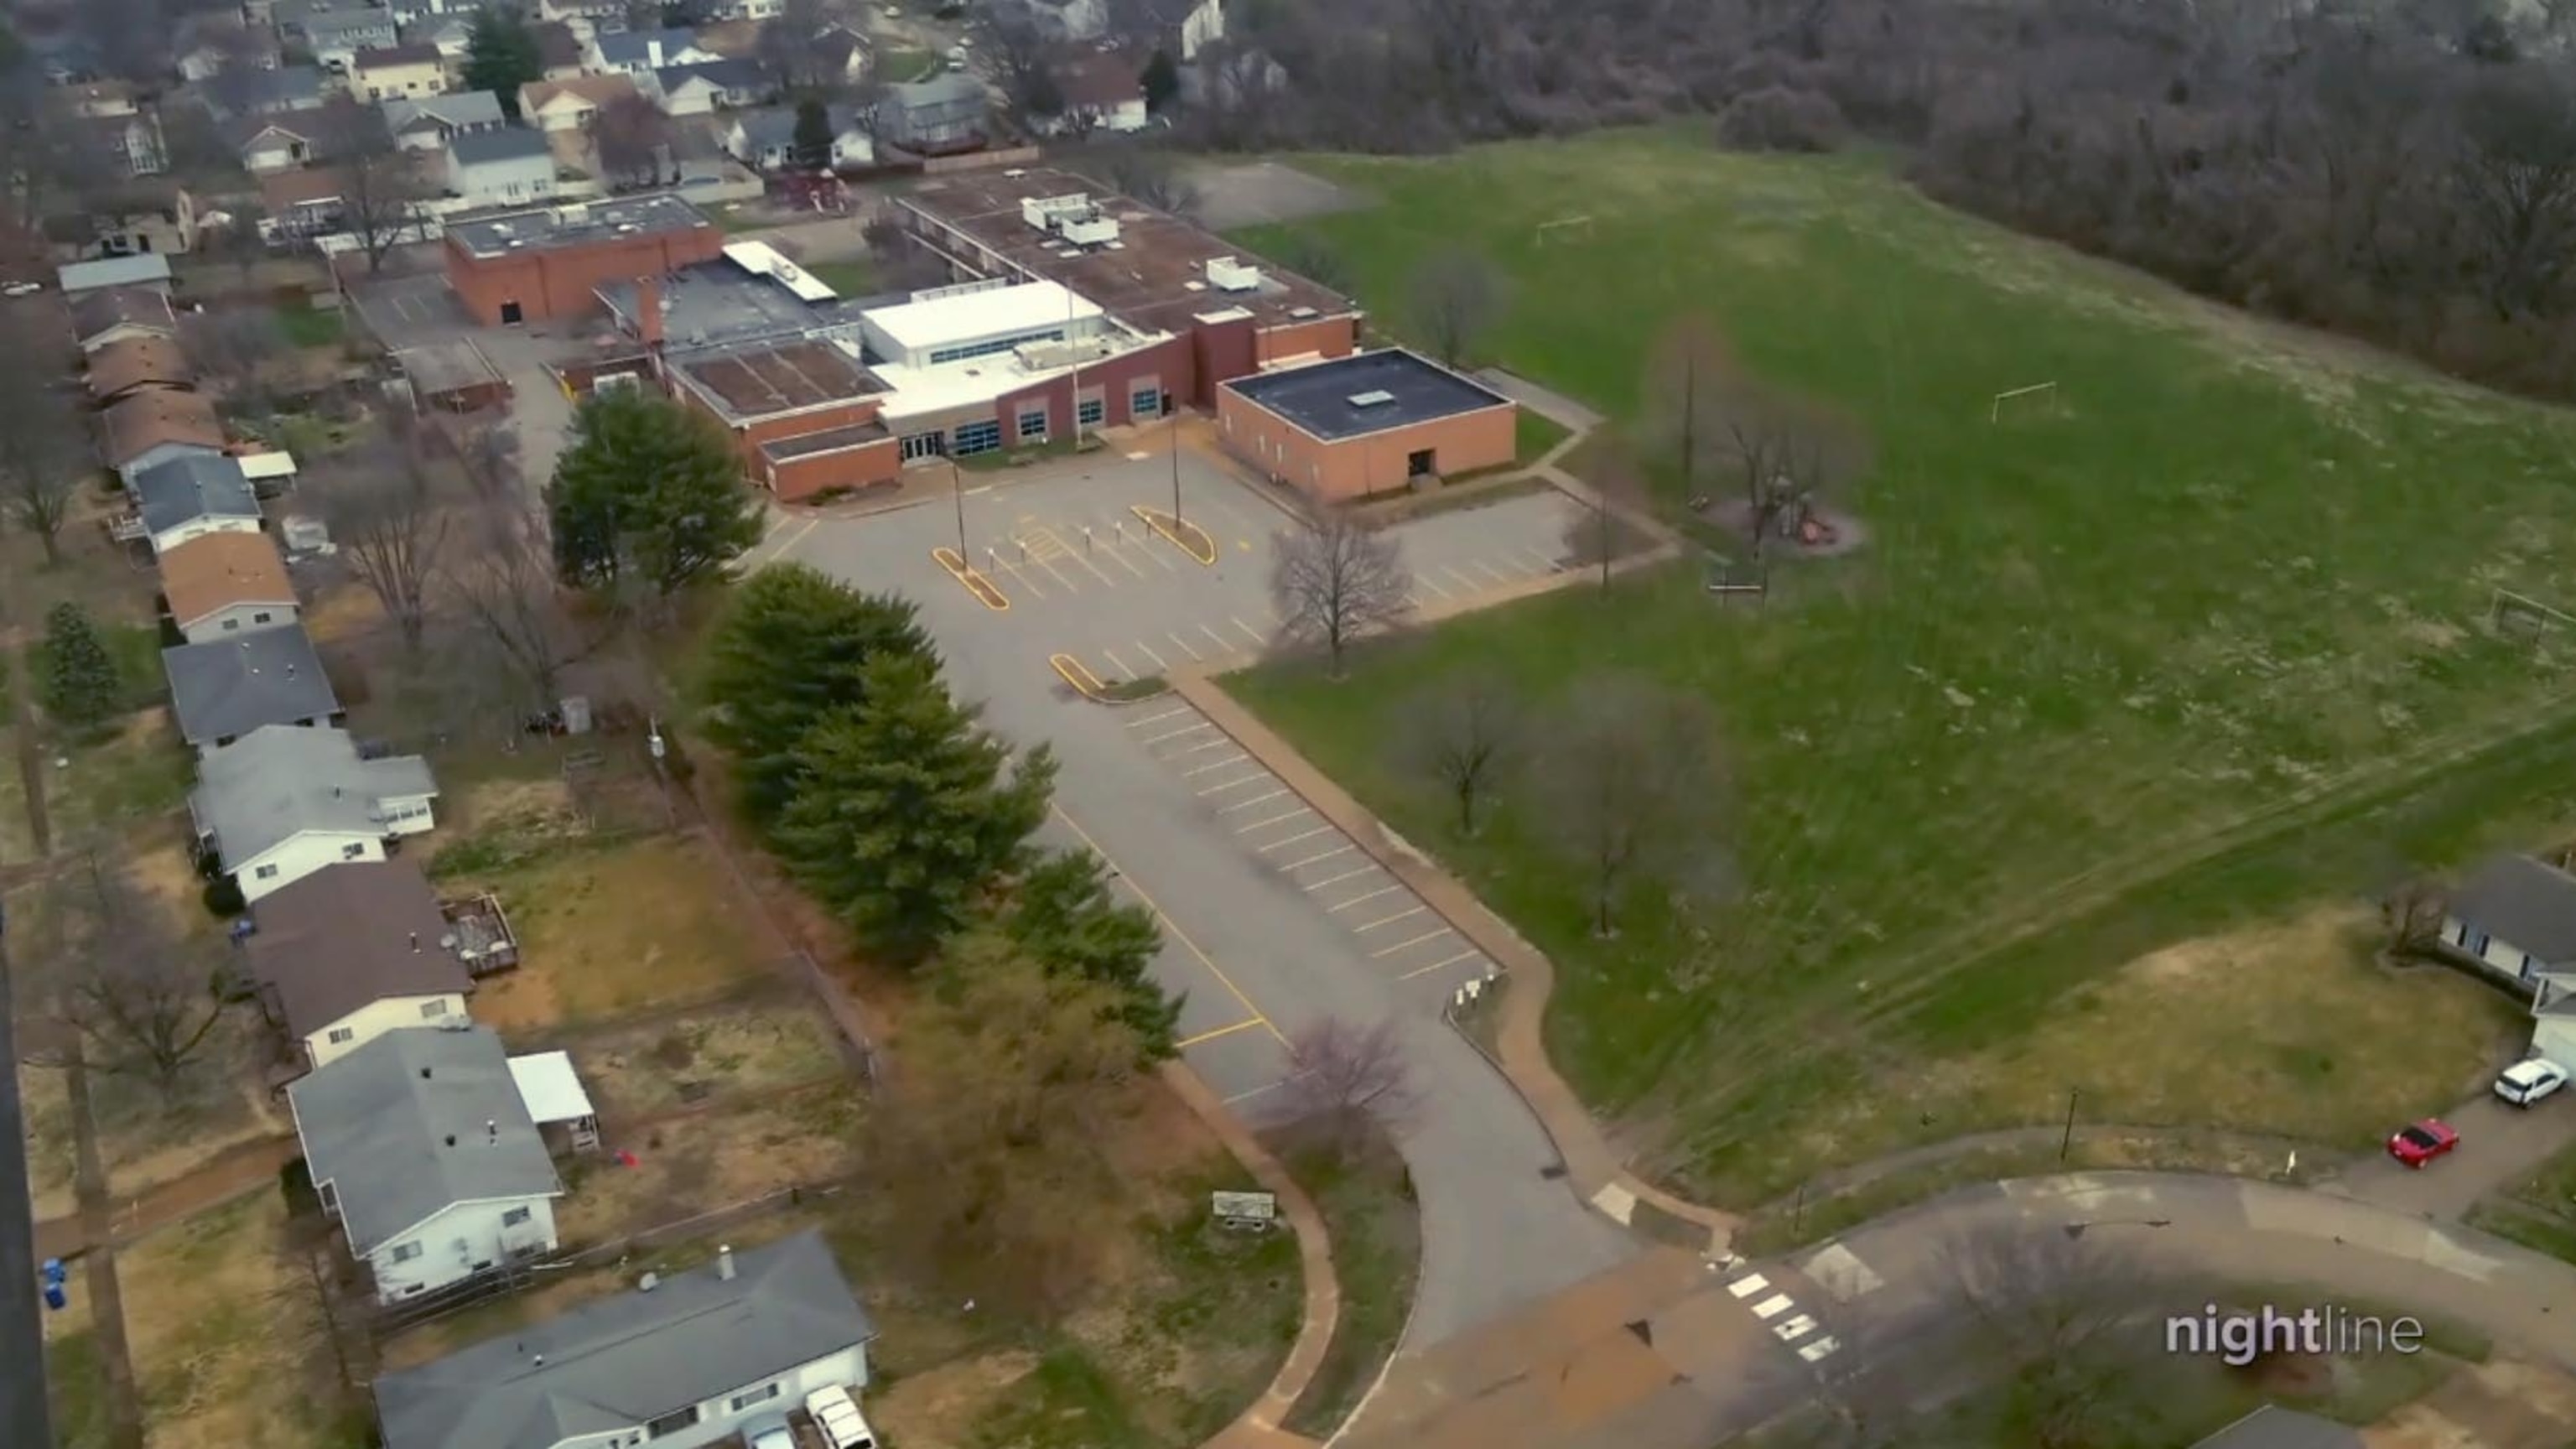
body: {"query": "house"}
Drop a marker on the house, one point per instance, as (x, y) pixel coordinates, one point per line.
(121, 369)
(765, 139)
(419, 1143)
(593, 16)
(744, 9)
(1202, 27)
(559, 51)
(191, 495)
(429, 122)
(152, 215)
(451, 34)
(110, 315)
(638, 53)
(267, 145)
(682, 1361)
(508, 166)
(148, 270)
(2516, 917)
(224, 583)
(336, 36)
(130, 140)
(351, 952)
(1102, 90)
(277, 92)
(224, 690)
(303, 204)
(281, 803)
(932, 117)
(569, 105)
(211, 44)
(2273, 1427)
(149, 428)
(1065, 20)
(414, 12)
(701, 87)
(841, 51)
(384, 73)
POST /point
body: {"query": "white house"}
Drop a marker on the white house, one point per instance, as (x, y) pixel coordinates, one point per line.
(765, 139)
(682, 1362)
(2515, 917)
(347, 954)
(1102, 91)
(270, 144)
(336, 36)
(395, 71)
(703, 87)
(191, 495)
(421, 1146)
(429, 122)
(569, 105)
(508, 166)
(281, 803)
(744, 9)
(638, 53)
(225, 584)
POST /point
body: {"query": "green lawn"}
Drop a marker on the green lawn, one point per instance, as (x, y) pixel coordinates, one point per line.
(1535, 433)
(310, 326)
(1367, 1203)
(853, 278)
(2202, 646)
(897, 63)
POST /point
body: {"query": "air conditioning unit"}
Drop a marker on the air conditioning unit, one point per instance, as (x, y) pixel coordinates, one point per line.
(1228, 275)
(1088, 231)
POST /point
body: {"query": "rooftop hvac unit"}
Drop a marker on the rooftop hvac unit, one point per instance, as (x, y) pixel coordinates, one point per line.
(1376, 398)
(1304, 314)
(1229, 275)
(1088, 230)
(572, 213)
(1041, 211)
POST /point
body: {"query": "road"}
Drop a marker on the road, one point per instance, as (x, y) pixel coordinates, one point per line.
(1247, 895)
(22, 1333)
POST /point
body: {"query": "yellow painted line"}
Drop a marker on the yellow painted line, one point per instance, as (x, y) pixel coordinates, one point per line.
(1079, 557)
(1369, 896)
(1245, 1025)
(1040, 559)
(1202, 548)
(1437, 965)
(1170, 925)
(1079, 675)
(781, 550)
(1408, 945)
(1391, 920)
(985, 590)
(1296, 865)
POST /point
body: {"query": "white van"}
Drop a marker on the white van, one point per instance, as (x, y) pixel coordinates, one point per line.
(839, 1419)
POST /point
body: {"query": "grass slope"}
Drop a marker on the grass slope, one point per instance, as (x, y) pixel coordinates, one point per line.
(2203, 644)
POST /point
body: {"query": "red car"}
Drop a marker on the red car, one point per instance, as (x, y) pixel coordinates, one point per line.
(2423, 1141)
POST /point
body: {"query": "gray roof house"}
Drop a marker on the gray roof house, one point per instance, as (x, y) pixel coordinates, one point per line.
(749, 1334)
(2515, 916)
(633, 52)
(281, 802)
(2273, 1427)
(150, 269)
(336, 36)
(193, 494)
(426, 122)
(698, 87)
(420, 1143)
(267, 92)
(506, 166)
(224, 690)
(765, 139)
(943, 113)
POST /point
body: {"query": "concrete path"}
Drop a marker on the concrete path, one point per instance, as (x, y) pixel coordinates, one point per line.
(1546, 402)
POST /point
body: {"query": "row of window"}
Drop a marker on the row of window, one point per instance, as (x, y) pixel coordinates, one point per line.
(429, 1010)
(985, 434)
(406, 1252)
(964, 351)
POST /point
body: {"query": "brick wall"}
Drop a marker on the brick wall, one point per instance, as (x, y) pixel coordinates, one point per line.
(551, 282)
(1357, 467)
(1324, 337)
(797, 479)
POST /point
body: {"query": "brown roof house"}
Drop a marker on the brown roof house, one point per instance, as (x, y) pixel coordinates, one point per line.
(155, 427)
(227, 583)
(351, 952)
(569, 105)
(137, 364)
(116, 314)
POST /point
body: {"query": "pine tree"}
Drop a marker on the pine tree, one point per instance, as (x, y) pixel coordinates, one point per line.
(811, 147)
(648, 492)
(791, 647)
(907, 812)
(1161, 80)
(80, 687)
(1062, 916)
(501, 55)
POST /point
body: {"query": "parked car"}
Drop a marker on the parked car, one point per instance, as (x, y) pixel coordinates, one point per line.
(769, 1431)
(21, 289)
(2529, 1080)
(839, 1418)
(2420, 1142)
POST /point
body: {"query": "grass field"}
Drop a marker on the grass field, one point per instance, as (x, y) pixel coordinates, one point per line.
(2201, 648)
(229, 1339)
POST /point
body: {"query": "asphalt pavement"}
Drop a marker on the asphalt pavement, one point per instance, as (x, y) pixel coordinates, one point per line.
(23, 1419)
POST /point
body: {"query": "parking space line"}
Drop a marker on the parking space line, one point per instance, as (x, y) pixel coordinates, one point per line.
(1405, 914)
(1223, 644)
(1259, 640)
(1470, 584)
(1245, 1025)
(1173, 734)
(1214, 765)
(1370, 896)
(1173, 712)
(1080, 558)
(1018, 576)
(1297, 865)
(1184, 643)
(1118, 556)
(1293, 839)
(1437, 965)
(1169, 925)
(1499, 576)
(1256, 1091)
(1273, 820)
(1042, 561)
(1117, 663)
(1416, 941)
(1150, 654)
(1220, 742)
(1338, 879)
(1255, 800)
(1545, 563)
(1432, 584)
(1234, 784)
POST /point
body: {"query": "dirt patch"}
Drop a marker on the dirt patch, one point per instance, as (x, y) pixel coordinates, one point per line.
(228, 1335)
(942, 1405)
(695, 1057)
(692, 1165)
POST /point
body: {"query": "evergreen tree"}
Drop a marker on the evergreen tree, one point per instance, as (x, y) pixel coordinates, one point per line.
(1162, 80)
(1062, 916)
(907, 812)
(791, 647)
(501, 55)
(80, 686)
(811, 147)
(648, 492)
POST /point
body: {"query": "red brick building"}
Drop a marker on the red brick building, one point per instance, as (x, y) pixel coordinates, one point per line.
(1369, 423)
(535, 266)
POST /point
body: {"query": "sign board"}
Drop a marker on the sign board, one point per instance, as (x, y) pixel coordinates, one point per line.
(1245, 1209)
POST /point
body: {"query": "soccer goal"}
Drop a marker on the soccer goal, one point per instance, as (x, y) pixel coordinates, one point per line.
(2038, 397)
(2513, 613)
(1565, 229)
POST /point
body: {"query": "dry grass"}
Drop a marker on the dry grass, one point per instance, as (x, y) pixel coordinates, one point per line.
(44, 1105)
(692, 1165)
(148, 1136)
(228, 1339)
(603, 933)
(748, 1047)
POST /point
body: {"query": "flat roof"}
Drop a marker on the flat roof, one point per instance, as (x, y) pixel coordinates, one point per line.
(766, 378)
(1366, 392)
(972, 313)
(831, 440)
(1145, 279)
(444, 367)
(715, 303)
(576, 223)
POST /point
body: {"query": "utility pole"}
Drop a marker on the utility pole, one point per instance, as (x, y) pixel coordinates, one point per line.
(957, 490)
(1174, 431)
(2066, 1142)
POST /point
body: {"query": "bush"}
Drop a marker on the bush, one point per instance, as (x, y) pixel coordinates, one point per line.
(1776, 118)
(295, 1184)
(223, 898)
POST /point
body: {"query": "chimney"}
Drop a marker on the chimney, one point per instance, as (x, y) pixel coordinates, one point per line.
(724, 1261)
(648, 311)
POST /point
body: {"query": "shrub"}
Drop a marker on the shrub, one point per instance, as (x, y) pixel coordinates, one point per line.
(1776, 118)
(223, 897)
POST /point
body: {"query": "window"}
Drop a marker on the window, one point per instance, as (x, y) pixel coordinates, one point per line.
(748, 1397)
(978, 437)
(232, 624)
(354, 850)
(514, 1217)
(265, 872)
(672, 1423)
(987, 349)
(1090, 411)
(343, 1035)
(1145, 402)
(262, 617)
(437, 1007)
(404, 1252)
(1033, 426)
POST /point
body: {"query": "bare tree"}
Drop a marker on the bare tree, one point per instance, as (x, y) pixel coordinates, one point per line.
(1343, 1076)
(506, 584)
(383, 187)
(2517, 178)
(392, 526)
(2062, 1311)
(1467, 732)
(1632, 773)
(1692, 373)
(1019, 58)
(633, 135)
(42, 453)
(1616, 486)
(234, 347)
(1148, 174)
(787, 46)
(142, 1001)
(1785, 450)
(1456, 297)
(1336, 579)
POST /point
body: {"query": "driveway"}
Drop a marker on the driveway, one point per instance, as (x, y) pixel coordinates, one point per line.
(2498, 1144)
(414, 311)
(1258, 935)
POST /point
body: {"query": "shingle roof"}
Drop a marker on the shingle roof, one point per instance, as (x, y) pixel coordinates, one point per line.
(142, 269)
(617, 1363)
(279, 781)
(143, 421)
(743, 74)
(218, 570)
(97, 312)
(390, 55)
(456, 108)
(599, 90)
(120, 367)
(397, 1128)
(506, 143)
(635, 47)
(191, 486)
(348, 936)
(289, 88)
(226, 689)
(2524, 903)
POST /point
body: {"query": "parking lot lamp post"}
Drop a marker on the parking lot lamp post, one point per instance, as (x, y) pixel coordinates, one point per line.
(1175, 426)
(957, 490)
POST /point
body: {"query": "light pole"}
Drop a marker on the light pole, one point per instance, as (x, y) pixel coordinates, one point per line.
(1173, 425)
(957, 490)
(2066, 1140)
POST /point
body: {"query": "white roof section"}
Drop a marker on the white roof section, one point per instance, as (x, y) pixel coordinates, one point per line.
(547, 1084)
(763, 260)
(984, 312)
(267, 465)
